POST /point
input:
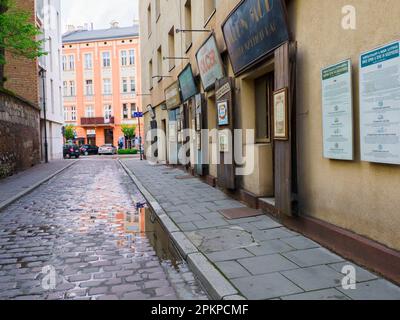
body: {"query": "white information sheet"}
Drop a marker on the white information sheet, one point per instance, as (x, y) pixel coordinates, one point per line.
(380, 104)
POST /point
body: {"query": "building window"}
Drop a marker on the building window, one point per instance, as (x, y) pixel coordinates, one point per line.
(65, 88)
(133, 85)
(72, 88)
(151, 74)
(89, 111)
(209, 9)
(106, 86)
(66, 114)
(64, 63)
(106, 59)
(133, 110)
(71, 62)
(149, 20)
(88, 61)
(89, 87)
(171, 47)
(124, 85)
(124, 58)
(159, 62)
(73, 113)
(107, 112)
(188, 23)
(158, 9)
(125, 111)
(132, 57)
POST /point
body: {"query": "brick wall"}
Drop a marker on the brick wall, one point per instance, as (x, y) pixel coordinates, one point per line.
(19, 135)
(22, 74)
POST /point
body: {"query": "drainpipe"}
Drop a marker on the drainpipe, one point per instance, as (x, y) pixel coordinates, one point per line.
(42, 74)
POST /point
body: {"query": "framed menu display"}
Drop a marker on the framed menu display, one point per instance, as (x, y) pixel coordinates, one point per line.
(337, 111)
(281, 117)
(380, 104)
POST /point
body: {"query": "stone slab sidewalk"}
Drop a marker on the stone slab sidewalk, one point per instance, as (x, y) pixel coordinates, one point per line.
(18, 185)
(260, 258)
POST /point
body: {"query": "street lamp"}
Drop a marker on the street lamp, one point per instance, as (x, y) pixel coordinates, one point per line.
(42, 75)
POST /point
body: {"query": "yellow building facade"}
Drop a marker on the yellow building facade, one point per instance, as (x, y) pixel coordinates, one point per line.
(350, 205)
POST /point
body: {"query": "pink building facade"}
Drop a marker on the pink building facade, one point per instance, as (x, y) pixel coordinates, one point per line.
(101, 82)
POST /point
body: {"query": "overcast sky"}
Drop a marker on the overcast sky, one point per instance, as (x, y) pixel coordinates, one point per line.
(100, 12)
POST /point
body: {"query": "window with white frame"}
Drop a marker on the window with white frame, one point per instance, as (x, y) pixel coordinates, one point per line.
(133, 85)
(89, 111)
(73, 113)
(65, 88)
(66, 114)
(88, 61)
(124, 58)
(64, 63)
(133, 110)
(72, 88)
(107, 112)
(124, 85)
(132, 57)
(125, 111)
(71, 62)
(107, 86)
(106, 59)
(89, 87)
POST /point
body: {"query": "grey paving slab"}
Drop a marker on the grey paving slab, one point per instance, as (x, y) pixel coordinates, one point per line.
(312, 257)
(271, 234)
(362, 275)
(326, 294)
(267, 264)
(232, 269)
(264, 287)
(229, 255)
(211, 223)
(270, 247)
(314, 278)
(373, 290)
(301, 243)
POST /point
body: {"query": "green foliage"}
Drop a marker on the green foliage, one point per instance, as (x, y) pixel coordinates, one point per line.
(127, 151)
(129, 131)
(69, 133)
(18, 35)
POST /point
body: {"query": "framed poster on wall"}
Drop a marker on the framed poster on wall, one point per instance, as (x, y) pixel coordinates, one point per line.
(281, 116)
(223, 113)
(380, 104)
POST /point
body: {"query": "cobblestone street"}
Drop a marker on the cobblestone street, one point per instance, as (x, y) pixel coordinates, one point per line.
(81, 226)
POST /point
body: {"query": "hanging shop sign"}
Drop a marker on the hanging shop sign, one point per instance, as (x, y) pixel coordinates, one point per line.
(253, 30)
(172, 96)
(380, 104)
(337, 111)
(281, 115)
(187, 83)
(209, 63)
(223, 113)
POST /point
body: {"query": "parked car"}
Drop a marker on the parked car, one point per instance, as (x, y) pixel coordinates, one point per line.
(107, 149)
(71, 151)
(87, 149)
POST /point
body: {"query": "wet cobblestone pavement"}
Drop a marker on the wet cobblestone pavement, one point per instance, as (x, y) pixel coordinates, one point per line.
(78, 237)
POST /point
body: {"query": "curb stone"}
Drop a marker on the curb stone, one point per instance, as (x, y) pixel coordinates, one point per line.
(217, 286)
(8, 202)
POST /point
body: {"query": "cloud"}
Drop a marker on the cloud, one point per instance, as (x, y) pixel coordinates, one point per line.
(98, 12)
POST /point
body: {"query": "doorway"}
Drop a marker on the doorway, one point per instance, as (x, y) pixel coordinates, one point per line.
(164, 146)
(109, 136)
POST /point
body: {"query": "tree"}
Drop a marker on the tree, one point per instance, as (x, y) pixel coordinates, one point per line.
(69, 133)
(18, 35)
(129, 132)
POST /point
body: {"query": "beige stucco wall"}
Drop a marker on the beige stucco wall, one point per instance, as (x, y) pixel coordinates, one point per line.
(358, 196)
